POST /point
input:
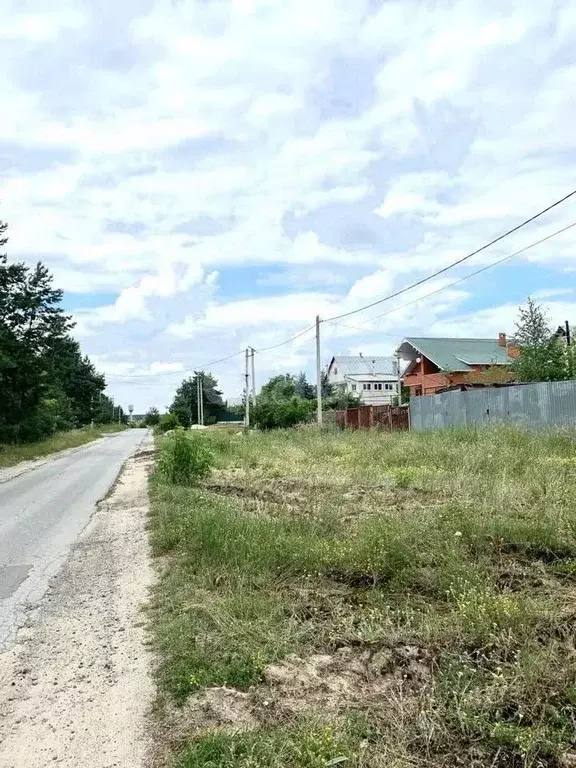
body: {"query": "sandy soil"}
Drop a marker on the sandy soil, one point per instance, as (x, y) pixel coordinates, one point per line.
(76, 689)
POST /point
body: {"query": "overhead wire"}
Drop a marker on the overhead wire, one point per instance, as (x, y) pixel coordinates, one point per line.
(453, 264)
(287, 341)
(172, 373)
(332, 320)
(460, 280)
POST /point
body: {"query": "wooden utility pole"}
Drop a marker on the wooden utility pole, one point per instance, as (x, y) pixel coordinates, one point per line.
(247, 390)
(253, 378)
(201, 396)
(318, 373)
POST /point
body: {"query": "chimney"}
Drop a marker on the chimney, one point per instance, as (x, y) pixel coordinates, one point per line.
(502, 342)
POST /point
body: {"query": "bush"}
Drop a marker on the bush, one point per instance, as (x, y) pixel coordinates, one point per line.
(168, 421)
(185, 460)
(279, 414)
(152, 418)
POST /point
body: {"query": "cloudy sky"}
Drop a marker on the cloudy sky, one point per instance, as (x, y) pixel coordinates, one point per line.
(202, 175)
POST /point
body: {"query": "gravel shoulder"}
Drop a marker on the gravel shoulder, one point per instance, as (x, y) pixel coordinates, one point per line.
(76, 689)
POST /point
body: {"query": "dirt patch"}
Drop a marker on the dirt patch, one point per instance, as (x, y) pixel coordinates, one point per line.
(271, 495)
(349, 679)
(329, 685)
(76, 689)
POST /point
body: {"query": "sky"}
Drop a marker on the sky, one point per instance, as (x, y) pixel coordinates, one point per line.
(206, 175)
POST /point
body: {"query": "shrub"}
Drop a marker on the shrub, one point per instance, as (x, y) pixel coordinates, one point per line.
(185, 460)
(152, 418)
(168, 421)
(280, 414)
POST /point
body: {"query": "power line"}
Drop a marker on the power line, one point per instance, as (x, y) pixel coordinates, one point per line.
(206, 365)
(460, 280)
(385, 298)
(282, 343)
(453, 264)
(171, 373)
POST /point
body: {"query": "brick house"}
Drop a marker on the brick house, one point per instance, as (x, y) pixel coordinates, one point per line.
(438, 364)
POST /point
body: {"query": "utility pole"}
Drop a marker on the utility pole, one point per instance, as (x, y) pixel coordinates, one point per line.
(318, 372)
(201, 397)
(113, 409)
(247, 390)
(568, 337)
(198, 399)
(399, 378)
(253, 378)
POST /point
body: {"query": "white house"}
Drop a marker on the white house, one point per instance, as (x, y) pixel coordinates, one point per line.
(373, 379)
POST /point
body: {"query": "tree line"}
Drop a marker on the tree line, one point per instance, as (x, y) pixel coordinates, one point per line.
(46, 383)
(284, 401)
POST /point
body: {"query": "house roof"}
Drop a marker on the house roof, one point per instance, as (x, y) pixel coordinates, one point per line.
(457, 354)
(359, 365)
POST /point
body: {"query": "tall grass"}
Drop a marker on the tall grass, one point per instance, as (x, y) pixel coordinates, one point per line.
(459, 543)
(13, 454)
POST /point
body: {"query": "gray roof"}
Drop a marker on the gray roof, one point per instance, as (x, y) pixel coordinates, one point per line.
(359, 365)
(458, 354)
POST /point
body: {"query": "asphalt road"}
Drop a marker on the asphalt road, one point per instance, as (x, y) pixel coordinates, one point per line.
(42, 513)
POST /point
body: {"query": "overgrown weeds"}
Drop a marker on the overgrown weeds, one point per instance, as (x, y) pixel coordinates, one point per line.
(184, 459)
(447, 557)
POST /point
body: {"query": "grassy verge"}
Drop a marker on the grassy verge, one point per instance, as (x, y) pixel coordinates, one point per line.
(13, 454)
(370, 600)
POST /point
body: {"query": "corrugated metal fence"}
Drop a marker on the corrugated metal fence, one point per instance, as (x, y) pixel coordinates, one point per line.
(546, 404)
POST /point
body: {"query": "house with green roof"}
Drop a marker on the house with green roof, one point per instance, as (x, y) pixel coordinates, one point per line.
(436, 364)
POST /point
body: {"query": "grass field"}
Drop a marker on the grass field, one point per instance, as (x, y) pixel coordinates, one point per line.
(13, 454)
(369, 600)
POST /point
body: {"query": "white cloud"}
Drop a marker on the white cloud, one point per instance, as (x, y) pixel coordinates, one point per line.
(201, 154)
(40, 27)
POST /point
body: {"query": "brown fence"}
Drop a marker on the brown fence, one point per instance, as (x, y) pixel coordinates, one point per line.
(389, 417)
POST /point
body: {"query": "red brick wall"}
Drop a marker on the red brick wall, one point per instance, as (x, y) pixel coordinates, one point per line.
(429, 383)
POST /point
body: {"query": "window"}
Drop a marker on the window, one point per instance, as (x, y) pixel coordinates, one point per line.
(389, 387)
(366, 386)
(378, 387)
(353, 387)
(335, 371)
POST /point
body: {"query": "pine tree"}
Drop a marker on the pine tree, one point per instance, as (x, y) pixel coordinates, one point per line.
(46, 383)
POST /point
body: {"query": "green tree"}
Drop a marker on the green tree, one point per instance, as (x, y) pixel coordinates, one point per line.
(335, 398)
(152, 418)
(532, 326)
(168, 422)
(282, 387)
(185, 403)
(542, 356)
(75, 377)
(286, 386)
(272, 413)
(46, 383)
(32, 322)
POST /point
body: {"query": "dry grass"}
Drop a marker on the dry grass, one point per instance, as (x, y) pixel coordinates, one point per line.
(368, 599)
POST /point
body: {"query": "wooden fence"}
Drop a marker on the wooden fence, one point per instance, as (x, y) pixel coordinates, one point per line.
(388, 417)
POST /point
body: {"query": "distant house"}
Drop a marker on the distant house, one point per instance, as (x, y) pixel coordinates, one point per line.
(439, 364)
(374, 380)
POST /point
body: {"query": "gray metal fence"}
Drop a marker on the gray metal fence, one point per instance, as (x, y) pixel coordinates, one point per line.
(546, 404)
